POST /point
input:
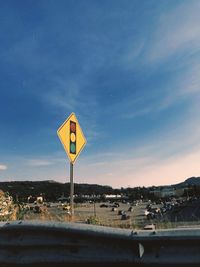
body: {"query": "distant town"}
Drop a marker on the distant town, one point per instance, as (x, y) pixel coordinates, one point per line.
(49, 190)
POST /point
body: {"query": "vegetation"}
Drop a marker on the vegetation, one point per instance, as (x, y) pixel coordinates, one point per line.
(93, 220)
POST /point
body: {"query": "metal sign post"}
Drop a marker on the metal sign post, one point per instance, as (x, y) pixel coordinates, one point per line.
(71, 190)
(73, 141)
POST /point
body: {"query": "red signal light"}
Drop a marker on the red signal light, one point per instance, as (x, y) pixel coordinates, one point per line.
(72, 126)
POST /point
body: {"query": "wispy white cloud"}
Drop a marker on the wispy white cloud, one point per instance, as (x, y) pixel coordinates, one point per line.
(177, 30)
(137, 113)
(3, 167)
(132, 53)
(39, 162)
(64, 94)
(185, 88)
(44, 167)
(174, 43)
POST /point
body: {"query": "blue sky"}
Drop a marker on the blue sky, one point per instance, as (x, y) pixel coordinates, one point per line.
(129, 70)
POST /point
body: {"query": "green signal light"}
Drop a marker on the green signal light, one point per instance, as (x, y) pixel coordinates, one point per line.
(72, 148)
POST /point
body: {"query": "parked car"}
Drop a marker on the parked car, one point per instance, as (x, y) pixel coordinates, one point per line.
(113, 209)
(150, 227)
(115, 205)
(121, 212)
(103, 206)
(125, 217)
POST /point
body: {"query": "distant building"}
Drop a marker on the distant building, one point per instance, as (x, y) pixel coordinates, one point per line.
(112, 197)
(115, 197)
(167, 191)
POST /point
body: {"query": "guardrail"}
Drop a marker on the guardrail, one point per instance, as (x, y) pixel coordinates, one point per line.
(31, 243)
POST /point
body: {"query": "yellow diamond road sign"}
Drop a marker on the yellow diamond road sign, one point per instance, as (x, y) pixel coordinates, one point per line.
(72, 138)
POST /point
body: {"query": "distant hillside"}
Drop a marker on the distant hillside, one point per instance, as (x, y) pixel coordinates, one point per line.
(51, 190)
(189, 181)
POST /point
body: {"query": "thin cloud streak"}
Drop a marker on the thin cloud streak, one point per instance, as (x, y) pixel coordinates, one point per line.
(39, 162)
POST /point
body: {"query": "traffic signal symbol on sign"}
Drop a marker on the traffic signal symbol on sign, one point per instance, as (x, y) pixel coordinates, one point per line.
(72, 134)
(71, 137)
